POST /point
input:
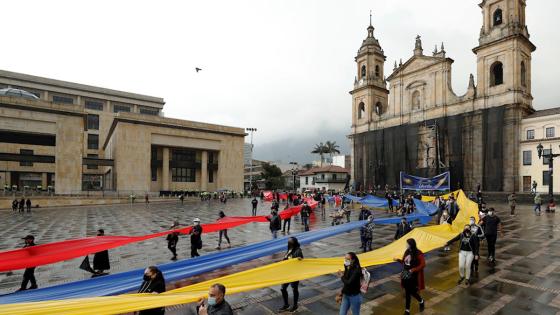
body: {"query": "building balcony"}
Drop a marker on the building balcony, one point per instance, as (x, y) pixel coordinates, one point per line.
(330, 181)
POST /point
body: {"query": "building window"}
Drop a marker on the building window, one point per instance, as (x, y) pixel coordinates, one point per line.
(121, 108)
(63, 99)
(183, 174)
(183, 155)
(93, 122)
(379, 108)
(27, 153)
(416, 99)
(545, 178)
(93, 142)
(211, 176)
(549, 132)
(93, 104)
(149, 111)
(334, 176)
(523, 74)
(530, 134)
(498, 19)
(363, 72)
(154, 173)
(496, 74)
(361, 110)
(322, 176)
(527, 158)
(546, 160)
(92, 167)
(377, 71)
(306, 180)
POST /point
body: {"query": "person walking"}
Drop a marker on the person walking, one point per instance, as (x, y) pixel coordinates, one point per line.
(182, 198)
(305, 214)
(254, 203)
(389, 201)
(512, 202)
(196, 238)
(147, 198)
(153, 282)
(534, 187)
(402, 228)
(366, 233)
(478, 232)
(15, 205)
(412, 276)
(452, 208)
(21, 205)
(468, 250)
(294, 252)
(101, 259)
(172, 240)
(28, 205)
(223, 233)
(275, 223)
(492, 225)
(350, 296)
(287, 221)
(216, 303)
(29, 273)
(538, 202)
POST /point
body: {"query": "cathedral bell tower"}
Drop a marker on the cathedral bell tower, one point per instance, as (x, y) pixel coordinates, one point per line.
(504, 54)
(370, 94)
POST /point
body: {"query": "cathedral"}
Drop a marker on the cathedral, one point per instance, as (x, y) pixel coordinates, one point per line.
(412, 121)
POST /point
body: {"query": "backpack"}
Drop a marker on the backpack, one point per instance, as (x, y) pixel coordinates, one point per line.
(364, 282)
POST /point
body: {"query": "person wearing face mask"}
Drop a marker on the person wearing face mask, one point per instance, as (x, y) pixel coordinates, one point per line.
(445, 219)
(350, 296)
(402, 228)
(366, 232)
(29, 273)
(222, 233)
(172, 240)
(412, 276)
(492, 225)
(294, 252)
(216, 303)
(275, 223)
(196, 238)
(478, 233)
(101, 259)
(468, 250)
(153, 283)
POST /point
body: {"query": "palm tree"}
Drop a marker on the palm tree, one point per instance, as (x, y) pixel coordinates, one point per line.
(332, 148)
(320, 149)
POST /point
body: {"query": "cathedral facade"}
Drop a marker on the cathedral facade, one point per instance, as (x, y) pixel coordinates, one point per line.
(412, 121)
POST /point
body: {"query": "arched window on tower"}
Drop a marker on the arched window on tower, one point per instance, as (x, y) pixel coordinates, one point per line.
(523, 74)
(379, 108)
(498, 17)
(361, 110)
(377, 72)
(496, 74)
(416, 100)
(363, 72)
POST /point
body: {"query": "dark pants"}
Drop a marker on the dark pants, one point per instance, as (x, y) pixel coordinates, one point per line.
(173, 250)
(29, 276)
(474, 265)
(367, 244)
(194, 251)
(295, 290)
(254, 211)
(390, 204)
(223, 233)
(411, 292)
(305, 223)
(512, 209)
(491, 239)
(288, 222)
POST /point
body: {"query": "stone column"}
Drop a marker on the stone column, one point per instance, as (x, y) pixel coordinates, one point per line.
(44, 183)
(165, 169)
(204, 171)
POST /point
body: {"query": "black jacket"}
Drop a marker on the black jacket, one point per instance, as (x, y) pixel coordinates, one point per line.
(172, 240)
(351, 280)
(305, 211)
(402, 230)
(296, 253)
(196, 236)
(101, 260)
(364, 214)
(469, 242)
(219, 309)
(151, 286)
(275, 222)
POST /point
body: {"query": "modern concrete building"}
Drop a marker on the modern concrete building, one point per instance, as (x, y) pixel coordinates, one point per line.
(543, 127)
(74, 137)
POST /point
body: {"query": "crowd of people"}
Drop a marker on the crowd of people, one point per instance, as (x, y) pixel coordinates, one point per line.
(21, 205)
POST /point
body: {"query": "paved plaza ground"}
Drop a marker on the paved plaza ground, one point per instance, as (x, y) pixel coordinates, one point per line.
(526, 279)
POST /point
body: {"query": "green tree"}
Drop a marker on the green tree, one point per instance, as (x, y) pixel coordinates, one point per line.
(272, 176)
(320, 149)
(332, 148)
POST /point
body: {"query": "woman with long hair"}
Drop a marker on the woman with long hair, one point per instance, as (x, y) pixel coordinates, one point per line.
(350, 295)
(293, 252)
(153, 283)
(412, 276)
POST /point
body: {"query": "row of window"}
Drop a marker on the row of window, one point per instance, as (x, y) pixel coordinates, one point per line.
(550, 132)
(528, 157)
(363, 71)
(99, 105)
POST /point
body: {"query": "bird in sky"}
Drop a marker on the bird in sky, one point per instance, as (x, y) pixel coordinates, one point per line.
(197, 69)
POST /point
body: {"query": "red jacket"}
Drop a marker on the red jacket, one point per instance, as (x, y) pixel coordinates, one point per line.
(418, 269)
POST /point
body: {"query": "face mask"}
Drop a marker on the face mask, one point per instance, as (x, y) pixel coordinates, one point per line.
(472, 222)
(290, 245)
(197, 223)
(147, 278)
(490, 213)
(211, 300)
(346, 262)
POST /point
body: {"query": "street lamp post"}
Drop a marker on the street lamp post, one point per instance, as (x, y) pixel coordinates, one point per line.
(550, 156)
(251, 167)
(294, 173)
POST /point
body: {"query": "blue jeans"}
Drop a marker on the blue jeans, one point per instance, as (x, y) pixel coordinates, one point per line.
(305, 223)
(274, 233)
(351, 302)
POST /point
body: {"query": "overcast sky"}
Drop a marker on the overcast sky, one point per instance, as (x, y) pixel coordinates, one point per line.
(284, 67)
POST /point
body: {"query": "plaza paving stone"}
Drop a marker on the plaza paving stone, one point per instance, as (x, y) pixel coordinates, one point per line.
(525, 280)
